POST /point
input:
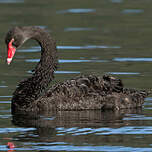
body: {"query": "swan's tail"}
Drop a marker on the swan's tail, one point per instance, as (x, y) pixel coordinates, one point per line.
(141, 93)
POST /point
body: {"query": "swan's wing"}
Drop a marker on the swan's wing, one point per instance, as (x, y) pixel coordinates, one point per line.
(87, 85)
(92, 92)
(81, 93)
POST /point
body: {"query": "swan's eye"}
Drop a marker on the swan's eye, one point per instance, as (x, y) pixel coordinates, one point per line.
(16, 42)
(7, 41)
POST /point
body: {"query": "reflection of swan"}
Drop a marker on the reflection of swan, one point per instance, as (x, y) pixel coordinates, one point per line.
(81, 93)
(88, 118)
(46, 128)
(77, 128)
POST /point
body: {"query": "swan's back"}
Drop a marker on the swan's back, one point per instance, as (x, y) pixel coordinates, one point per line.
(91, 92)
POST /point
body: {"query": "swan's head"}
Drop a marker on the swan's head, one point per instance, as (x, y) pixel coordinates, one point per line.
(14, 39)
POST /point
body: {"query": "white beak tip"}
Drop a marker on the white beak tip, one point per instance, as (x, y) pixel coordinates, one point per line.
(9, 60)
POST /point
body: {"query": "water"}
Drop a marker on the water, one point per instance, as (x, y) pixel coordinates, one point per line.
(101, 37)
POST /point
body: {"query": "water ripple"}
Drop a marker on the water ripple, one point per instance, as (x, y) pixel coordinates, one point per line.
(79, 29)
(76, 10)
(136, 117)
(5, 96)
(129, 130)
(78, 61)
(11, 1)
(116, 1)
(7, 130)
(86, 47)
(5, 101)
(92, 148)
(124, 73)
(68, 61)
(148, 99)
(5, 116)
(66, 72)
(62, 72)
(133, 59)
(130, 11)
(3, 86)
(30, 50)
(88, 148)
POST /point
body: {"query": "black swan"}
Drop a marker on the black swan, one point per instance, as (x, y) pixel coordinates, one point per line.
(80, 93)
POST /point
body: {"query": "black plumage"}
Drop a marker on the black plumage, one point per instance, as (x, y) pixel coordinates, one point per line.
(80, 93)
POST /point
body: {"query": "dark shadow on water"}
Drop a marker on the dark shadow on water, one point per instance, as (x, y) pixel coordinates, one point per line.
(70, 119)
(61, 129)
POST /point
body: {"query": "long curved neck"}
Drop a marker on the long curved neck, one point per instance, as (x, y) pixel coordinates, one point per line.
(32, 88)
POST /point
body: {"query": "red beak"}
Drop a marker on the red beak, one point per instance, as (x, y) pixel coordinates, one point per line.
(11, 51)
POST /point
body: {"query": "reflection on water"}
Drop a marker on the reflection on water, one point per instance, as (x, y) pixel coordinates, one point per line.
(70, 119)
(79, 29)
(7, 130)
(5, 101)
(124, 73)
(87, 47)
(62, 72)
(5, 96)
(126, 130)
(74, 127)
(129, 11)
(66, 72)
(149, 99)
(133, 59)
(3, 86)
(77, 10)
(116, 1)
(37, 49)
(92, 148)
(11, 1)
(67, 61)
(106, 131)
